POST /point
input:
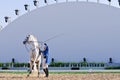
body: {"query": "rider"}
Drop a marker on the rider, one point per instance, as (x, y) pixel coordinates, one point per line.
(45, 63)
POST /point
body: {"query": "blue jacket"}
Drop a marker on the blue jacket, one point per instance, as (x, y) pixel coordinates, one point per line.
(46, 51)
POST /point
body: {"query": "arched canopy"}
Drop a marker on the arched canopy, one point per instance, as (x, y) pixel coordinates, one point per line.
(88, 30)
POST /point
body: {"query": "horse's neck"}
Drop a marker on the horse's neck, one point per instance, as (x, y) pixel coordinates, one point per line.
(35, 45)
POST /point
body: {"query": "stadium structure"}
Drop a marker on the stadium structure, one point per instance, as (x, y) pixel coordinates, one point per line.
(74, 30)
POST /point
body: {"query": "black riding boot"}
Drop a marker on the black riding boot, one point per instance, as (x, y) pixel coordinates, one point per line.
(44, 71)
(47, 72)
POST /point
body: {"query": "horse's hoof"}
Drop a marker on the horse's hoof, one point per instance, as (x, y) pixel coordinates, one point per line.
(28, 75)
(38, 76)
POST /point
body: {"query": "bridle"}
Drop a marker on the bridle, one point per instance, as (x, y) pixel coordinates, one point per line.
(26, 40)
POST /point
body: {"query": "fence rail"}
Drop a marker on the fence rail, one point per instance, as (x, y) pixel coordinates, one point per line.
(63, 66)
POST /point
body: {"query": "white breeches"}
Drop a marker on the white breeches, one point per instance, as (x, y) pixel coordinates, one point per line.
(44, 64)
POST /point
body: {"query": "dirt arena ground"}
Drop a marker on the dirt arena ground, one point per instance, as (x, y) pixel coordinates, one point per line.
(89, 76)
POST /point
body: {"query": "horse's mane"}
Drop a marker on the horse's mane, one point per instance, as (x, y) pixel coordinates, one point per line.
(33, 37)
(34, 40)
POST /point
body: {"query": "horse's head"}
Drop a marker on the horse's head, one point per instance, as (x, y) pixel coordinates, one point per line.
(28, 39)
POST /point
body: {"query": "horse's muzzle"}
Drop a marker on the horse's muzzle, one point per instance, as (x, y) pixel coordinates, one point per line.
(24, 42)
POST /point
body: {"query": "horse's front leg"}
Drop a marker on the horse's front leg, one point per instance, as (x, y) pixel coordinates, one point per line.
(34, 66)
(31, 67)
(31, 62)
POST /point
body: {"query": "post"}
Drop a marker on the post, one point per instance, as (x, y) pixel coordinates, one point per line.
(110, 60)
(84, 59)
(13, 62)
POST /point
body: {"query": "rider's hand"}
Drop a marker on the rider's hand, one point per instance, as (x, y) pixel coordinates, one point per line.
(44, 56)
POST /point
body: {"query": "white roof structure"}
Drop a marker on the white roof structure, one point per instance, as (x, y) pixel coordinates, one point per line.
(88, 30)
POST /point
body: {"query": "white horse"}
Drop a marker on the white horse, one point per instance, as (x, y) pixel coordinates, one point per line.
(35, 53)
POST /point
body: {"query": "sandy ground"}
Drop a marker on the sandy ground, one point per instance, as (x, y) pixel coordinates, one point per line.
(89, 76)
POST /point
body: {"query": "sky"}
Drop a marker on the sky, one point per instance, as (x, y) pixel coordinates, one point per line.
(7, 7)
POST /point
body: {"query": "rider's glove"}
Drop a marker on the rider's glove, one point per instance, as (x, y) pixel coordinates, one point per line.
(44, 56)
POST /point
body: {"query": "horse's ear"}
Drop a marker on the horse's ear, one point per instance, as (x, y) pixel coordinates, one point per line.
(29, 35)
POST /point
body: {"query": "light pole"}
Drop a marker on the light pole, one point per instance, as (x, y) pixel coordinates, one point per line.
(56, 1)
(119, 2)
(26, 7)
(45, 1)
(109, 2)
(7, 19)
(35, 3)
(17, 12)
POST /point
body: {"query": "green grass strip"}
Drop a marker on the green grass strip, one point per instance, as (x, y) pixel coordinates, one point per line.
(13, 72)
(25, 72)
(68, 72)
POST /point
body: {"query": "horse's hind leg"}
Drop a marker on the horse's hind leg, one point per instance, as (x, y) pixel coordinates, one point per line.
(38, 68)
(39, 63)
(29, 74)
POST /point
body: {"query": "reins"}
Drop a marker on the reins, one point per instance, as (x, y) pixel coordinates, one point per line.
(40, 42)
